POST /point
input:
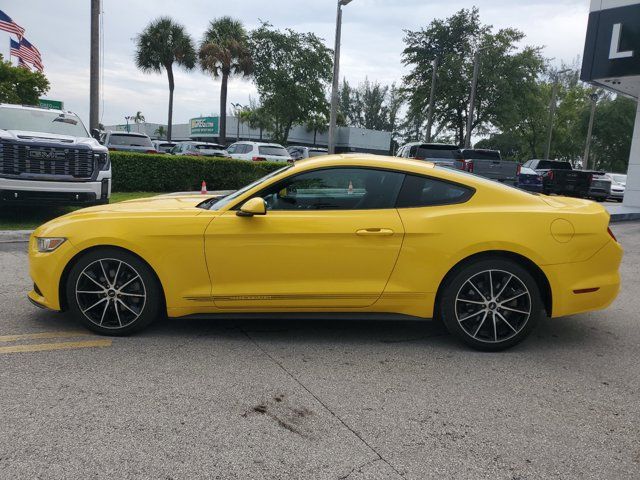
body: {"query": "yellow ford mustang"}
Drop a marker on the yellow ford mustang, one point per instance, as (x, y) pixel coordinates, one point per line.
(339, 234)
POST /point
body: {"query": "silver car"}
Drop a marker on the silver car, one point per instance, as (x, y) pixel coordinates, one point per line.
(618, 186)
(129, 142)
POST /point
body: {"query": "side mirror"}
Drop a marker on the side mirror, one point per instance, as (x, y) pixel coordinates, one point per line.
(95, 133)
(255, 206)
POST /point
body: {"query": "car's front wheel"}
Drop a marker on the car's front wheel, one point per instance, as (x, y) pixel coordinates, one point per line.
(113, 292)
(491, 304)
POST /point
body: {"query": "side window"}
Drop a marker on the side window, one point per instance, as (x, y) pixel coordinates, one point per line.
(425, 192)
(336, 189)
(247, 148)
(232, 148)
(413, 151)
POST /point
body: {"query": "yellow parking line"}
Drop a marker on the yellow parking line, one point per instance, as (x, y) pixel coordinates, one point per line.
(42, 347)
(37, 336)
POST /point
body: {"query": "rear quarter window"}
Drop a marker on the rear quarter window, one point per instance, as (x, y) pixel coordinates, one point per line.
(419, 191)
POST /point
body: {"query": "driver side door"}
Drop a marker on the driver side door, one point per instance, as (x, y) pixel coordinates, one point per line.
(330, 239)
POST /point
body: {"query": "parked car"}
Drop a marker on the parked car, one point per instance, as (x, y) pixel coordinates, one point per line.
(560, 178)
(299, 152)
(438, 153)
(129, 142)
(163, 146)
(530, 180)
(488, 164)
(47, 156)
(259, 152)
(600, 188)
(200, 149)
(362, 234)
(618, 186)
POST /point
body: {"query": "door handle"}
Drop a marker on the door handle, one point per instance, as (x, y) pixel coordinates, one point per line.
(369, 232)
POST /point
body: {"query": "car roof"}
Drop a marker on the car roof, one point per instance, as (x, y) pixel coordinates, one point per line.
(131, 134)
(260, 144)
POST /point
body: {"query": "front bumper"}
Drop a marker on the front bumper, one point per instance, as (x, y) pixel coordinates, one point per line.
(598, 278)
(617, 194)
(35, 192)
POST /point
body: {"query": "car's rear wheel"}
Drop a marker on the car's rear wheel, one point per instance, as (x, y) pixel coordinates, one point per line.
(491, 304)
(113, 292)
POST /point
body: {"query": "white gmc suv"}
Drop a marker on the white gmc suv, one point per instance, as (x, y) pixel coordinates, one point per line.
(47, 156)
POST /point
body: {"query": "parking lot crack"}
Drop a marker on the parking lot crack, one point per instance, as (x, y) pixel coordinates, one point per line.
(379, 457)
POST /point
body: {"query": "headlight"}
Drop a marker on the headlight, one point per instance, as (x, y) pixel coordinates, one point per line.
(49, 244)
(102, 161)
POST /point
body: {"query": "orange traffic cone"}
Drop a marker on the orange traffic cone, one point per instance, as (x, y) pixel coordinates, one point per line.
(203, 188)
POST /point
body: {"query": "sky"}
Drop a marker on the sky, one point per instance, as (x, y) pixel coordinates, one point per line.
(372, 43)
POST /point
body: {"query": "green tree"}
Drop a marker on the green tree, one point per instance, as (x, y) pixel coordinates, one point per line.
(20, 85)
(318, 122)
(224, 52)
(257, 117)
(292, 72)
(506, 71)
(161, 132)
(160, 45)
(612, 133)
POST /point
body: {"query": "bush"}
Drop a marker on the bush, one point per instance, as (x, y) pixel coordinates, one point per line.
(134, 172)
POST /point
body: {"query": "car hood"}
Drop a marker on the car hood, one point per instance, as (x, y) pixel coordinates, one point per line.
(154, 204)
(23, 135)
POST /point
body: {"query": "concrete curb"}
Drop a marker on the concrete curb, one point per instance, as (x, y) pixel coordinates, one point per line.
(625, 217)
(15, 236)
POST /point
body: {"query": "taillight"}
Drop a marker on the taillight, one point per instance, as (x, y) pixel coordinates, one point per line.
(111, 149)
(467, 165)
(549, 175)
(518, 170)
(259, 159)
(611, 233)
(151, 151)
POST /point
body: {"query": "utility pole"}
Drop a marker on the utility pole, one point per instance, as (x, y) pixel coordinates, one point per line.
(333, 117)
(472, 101)
(587, 150)
(552, 112)
(432, 99)
(94, 68)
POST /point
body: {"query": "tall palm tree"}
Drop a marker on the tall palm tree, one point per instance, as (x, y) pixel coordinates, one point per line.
(138, 119)
(224, 51)
(159, 46)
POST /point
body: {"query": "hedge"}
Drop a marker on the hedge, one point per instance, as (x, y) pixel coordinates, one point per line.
(135, 172)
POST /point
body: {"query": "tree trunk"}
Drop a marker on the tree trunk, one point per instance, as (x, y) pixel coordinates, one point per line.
(315, 133)
(260, 133)
(223, 109)
(171, 86)
(285, 133)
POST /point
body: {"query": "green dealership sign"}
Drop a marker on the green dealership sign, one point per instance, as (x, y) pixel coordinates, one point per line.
(205, 126)
(52, 104)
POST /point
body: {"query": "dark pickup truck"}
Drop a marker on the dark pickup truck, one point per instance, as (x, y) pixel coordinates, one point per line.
(560, 178)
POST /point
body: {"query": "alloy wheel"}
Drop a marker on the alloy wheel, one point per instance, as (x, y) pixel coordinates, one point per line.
(110, 293)
(493, 306)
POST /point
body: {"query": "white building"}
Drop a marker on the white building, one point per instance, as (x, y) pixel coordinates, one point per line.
(349, 139)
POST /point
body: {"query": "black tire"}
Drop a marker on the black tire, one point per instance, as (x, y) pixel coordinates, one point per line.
(127, 302)
(499, 322)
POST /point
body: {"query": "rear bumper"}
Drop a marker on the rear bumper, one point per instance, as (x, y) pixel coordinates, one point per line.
(598, 278)
(25, 192)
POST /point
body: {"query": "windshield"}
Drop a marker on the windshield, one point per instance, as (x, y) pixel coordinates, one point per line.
(129, 140)
(428, 152)
(553, 165)
(528, 171)
(229, 198)
(43, 121)
(273, 150)
(205, 146)
(619, 178)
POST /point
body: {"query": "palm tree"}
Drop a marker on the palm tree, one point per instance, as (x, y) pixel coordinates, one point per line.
(160, 132)
(159, 46)
(224, 51)
(138, 118)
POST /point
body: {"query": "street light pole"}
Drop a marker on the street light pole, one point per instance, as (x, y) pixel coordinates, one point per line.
(552, 112)
(587, 149)
(336, 78)
(432, 98)
(472, 101)
(94, 67)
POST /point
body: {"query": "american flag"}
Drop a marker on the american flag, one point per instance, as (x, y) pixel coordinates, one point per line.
(22, 63)
(9, 25)
(30, 54)
(15, 49)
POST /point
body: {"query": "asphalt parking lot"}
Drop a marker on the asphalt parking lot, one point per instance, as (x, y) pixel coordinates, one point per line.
(317, 399)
